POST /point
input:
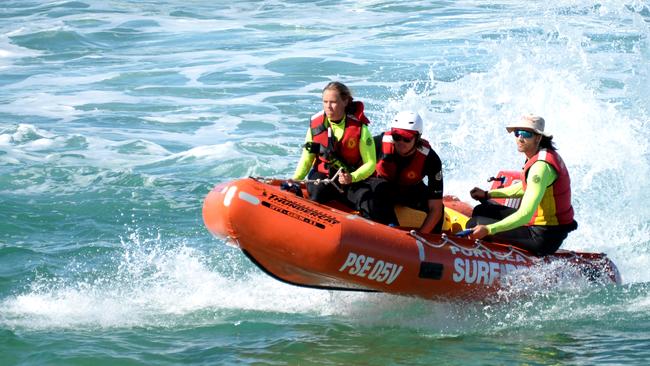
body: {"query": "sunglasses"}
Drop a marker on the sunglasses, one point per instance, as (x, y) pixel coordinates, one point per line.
(398, 138)
(523, 133)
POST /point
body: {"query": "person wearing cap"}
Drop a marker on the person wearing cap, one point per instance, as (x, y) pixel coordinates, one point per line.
(338, 138)
(545, 216)
(404, 160)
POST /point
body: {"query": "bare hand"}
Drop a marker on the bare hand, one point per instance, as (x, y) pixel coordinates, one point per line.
(345, 178)
(479, 232)
(478, 194)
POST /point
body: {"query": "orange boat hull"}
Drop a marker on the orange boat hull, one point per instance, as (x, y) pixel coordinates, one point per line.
(308, 244)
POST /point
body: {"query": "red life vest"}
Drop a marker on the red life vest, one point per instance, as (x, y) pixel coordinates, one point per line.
(409, 175)
(555, 207)
(345, 150)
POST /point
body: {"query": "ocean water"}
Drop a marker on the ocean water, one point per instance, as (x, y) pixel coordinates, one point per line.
(117, 117)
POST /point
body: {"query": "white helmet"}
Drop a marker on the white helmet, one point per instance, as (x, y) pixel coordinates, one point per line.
(407, 120)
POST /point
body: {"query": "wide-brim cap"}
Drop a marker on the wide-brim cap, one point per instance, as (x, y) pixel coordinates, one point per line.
(530, 122)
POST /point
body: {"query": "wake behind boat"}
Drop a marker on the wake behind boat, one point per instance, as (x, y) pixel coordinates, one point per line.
(305, 243)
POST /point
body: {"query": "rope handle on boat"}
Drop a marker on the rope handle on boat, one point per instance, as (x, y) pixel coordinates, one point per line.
(478, 245)
(331, 181)
(420, 238)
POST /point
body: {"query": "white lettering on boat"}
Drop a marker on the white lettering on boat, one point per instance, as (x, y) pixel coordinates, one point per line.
(368, 267)
(487, 254)
(480, 272)
(478, 268)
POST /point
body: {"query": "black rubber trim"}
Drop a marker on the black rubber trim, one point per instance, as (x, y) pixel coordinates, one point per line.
(260, 266)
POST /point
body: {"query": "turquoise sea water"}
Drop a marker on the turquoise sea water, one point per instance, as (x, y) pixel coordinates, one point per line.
(117, 117)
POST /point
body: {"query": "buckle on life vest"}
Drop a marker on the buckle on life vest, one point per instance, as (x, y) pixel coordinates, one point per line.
(312, 147)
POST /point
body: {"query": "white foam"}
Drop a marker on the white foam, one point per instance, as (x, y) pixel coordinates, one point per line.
(153, 286)
(10, 52)
(49, 80)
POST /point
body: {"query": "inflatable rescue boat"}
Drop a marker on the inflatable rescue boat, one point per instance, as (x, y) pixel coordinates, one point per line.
(305, 243)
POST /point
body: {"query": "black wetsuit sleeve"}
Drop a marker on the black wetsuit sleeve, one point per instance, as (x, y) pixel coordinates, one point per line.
(433, 172)
(378, 145)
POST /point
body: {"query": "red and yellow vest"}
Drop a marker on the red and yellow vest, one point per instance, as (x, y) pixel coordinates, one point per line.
(345, 150)
(409, 175)
(555, 207)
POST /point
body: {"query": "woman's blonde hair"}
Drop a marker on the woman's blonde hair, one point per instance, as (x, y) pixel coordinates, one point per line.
(344, 91)
(344, 94)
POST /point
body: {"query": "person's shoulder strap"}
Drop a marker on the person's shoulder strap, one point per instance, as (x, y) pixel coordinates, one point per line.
(316, 127)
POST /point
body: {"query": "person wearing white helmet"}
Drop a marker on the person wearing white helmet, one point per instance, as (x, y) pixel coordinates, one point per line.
(404, 160)
(408, 122)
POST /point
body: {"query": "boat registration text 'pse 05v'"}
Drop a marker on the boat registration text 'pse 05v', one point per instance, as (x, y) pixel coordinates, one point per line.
(376, 270)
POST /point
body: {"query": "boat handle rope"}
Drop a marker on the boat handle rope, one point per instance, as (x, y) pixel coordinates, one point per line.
(478, 245)
(305, 181)
(512, 250)
(417, 236)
